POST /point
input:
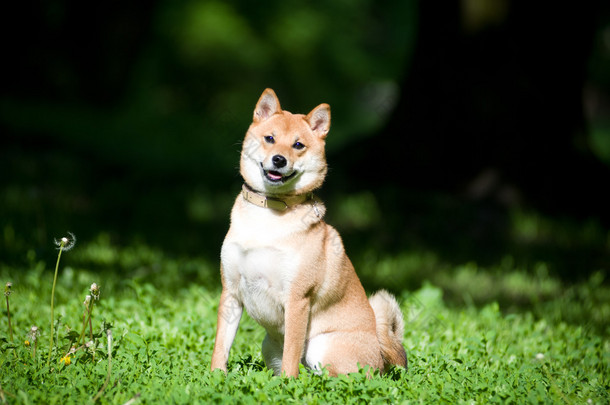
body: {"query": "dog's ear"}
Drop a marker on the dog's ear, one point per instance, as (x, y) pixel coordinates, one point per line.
(266, 106)
(319, 120)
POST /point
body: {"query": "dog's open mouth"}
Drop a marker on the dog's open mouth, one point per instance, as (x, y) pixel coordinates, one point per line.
(276, 177)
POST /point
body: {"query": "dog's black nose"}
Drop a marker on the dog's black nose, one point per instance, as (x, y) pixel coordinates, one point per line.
(279, 161)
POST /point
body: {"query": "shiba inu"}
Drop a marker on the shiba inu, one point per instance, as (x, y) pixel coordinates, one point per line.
(288, 268)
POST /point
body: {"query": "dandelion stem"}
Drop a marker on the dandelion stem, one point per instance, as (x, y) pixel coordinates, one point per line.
(33, 337)
(82, 333)
(61, 248)
(85, 313)
(7, 292)
(90, 329)
(99, 393)
(8, 314)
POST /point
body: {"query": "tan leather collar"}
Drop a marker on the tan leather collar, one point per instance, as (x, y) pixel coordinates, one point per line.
(279, 204)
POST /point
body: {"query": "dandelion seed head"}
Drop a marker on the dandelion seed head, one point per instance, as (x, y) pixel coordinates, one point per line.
(7, 289)
(95, 291)
(33, 334)
(66, 243)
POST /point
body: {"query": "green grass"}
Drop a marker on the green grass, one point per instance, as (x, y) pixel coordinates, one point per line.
(162, 314)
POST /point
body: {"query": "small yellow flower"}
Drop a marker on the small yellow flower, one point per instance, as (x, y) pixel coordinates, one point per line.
(66, 360)
(27, 343)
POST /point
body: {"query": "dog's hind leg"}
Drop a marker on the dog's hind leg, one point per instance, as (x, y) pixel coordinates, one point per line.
(343, 352)
(272, 353)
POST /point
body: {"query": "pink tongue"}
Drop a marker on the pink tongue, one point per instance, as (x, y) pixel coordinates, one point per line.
(274, 175)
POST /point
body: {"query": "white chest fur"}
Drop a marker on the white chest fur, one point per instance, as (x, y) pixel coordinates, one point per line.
(258, 266)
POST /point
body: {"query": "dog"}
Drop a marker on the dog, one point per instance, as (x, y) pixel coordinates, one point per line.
(288, 268)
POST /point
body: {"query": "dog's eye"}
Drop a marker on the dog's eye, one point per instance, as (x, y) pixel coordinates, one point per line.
(298, 145)
(269, 139)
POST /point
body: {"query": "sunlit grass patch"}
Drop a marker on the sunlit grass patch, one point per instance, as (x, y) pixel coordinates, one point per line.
(163, 328)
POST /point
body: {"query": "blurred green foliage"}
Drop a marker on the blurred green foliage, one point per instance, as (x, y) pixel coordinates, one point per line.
(130, 121)
(188, 89)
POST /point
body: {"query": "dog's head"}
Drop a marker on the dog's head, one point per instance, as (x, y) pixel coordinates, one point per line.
(283, 153)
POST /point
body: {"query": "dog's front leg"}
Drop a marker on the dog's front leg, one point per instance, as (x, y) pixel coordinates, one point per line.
(229, 314)
(296, 322)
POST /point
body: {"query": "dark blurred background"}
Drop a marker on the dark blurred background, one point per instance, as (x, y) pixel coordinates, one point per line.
(452, 123)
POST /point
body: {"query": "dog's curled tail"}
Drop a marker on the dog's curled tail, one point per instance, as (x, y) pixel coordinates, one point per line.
(390, 328)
